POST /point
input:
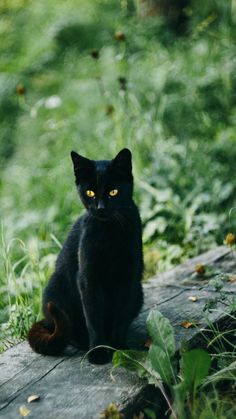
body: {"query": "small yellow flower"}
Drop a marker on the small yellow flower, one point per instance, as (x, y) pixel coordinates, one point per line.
(230, 239)
(111, 412)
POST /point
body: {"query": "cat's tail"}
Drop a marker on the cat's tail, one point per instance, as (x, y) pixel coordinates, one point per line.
(50, 338)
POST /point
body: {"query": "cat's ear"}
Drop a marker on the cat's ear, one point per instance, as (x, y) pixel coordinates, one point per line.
(123, 160)
(82, 165)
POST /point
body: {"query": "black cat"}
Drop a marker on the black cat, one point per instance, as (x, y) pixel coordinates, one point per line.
(95, 291)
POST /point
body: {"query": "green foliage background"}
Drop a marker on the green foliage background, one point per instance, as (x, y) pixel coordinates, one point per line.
(177, 114)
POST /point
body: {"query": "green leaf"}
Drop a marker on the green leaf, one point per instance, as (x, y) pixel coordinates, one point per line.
(194, 368)
(131, 360)
(180, 394)
(138, 362)
(161, 363)
(150, 413)
(161, 332)
(227, 373)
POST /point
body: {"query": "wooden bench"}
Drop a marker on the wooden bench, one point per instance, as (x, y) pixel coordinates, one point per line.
(70, 387)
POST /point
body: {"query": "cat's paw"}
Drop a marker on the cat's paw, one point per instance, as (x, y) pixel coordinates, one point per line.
(100, 356)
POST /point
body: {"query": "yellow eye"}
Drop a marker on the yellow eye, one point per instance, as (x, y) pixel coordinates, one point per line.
(91, 194)
(114, 192)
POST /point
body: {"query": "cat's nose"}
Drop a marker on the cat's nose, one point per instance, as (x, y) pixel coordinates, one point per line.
(101, 205)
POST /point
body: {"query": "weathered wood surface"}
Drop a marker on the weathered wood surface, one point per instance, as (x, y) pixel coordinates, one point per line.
(69, 386)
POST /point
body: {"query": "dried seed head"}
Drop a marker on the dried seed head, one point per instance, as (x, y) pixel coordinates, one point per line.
(110, 109)
(123, 83)
(200, 269)
(94, 54)
(122, 80)
(120, 36)
(20, 90)
(230, 239)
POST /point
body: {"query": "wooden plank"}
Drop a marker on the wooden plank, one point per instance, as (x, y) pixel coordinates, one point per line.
(169, 293)
(70, 386)
(67, 386)
(187, 268)
(32, 371)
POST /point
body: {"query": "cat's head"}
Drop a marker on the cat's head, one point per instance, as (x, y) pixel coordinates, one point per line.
(104, 186)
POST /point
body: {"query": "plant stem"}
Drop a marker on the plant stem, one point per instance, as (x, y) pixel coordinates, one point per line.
(162, 389)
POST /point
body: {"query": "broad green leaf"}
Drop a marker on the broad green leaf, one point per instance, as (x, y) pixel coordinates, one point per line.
(131, 360)
(194, 368)
(161, 332)
(161, 363)
(152, 375)
(227, 373)
(138, 362)
(180, 391)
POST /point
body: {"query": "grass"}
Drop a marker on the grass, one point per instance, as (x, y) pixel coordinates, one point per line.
(191, 383)
(68, 82)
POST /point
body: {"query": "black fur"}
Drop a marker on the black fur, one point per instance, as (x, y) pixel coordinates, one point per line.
(95, 291)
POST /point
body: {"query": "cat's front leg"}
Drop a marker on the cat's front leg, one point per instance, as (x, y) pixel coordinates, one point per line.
(93, 307)
(122, 319)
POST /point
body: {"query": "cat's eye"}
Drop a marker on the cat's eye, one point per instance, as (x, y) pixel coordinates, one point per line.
(90, 194)
(113, 192)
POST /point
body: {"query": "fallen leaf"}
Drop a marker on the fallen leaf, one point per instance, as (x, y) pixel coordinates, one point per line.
(231, 278)
(33, 398)
(187, 324)
(148, 343)
(24, 411)
(200, 269)
(193, 298)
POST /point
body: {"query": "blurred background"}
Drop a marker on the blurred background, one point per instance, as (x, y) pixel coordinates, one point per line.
(157, 76)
